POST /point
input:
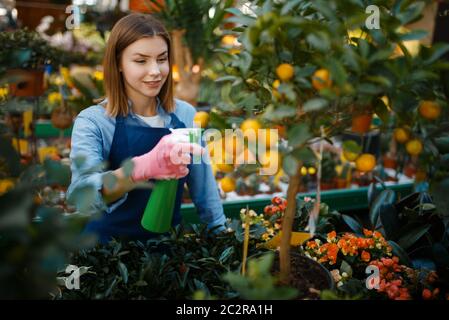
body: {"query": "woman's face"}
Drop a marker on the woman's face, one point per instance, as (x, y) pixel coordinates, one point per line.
(145, 67)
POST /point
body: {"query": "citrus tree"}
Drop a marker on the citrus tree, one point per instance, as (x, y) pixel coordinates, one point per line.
(312, 68)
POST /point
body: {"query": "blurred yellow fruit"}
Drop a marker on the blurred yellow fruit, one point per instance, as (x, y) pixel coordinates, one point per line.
(229, 40)
(321, 79)
(365, 163)
(227, 184)
(285, 71)
(350, 156)
(414, 147)
(223, 167)
(401, 135)
(6, 185)
(429, 109)
(311, 170)
(251, 124)
(201, 119)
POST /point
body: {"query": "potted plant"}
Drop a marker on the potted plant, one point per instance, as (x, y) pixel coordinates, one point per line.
(311, 88)
(24, 55)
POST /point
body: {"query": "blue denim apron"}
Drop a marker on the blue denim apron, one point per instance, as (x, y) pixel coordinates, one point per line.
(124, 222)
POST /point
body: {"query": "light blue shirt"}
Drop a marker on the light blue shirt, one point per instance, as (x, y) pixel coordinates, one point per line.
(92, 136)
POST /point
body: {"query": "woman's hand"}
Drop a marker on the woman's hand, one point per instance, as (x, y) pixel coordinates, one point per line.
(167, 160)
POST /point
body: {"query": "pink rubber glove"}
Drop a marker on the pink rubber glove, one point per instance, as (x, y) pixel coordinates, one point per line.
(167, 160)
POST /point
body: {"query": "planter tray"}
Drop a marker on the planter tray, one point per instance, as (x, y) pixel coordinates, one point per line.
(338, 199)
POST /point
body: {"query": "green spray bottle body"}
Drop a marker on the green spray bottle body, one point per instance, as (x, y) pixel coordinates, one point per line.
(158, 214)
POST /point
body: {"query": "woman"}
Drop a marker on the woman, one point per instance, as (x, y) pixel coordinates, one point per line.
(133, 122)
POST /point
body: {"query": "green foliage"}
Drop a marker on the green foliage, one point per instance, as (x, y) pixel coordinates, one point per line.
(174, 266)
(259, 284)
(24, 49)
(412, 225)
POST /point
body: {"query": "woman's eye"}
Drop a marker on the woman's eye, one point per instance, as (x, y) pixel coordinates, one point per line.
(140, 61)
(162, 59)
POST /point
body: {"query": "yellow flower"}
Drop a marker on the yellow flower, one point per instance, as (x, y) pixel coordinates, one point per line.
(99, 75)
(54, 98)
(3, 92)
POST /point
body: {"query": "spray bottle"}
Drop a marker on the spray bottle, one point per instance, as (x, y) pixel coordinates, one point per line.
(158, 213)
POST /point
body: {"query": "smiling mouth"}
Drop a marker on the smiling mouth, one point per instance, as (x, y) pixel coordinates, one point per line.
(152, 83)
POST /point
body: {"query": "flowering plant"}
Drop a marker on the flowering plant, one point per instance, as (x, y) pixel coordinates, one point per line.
(348, 257)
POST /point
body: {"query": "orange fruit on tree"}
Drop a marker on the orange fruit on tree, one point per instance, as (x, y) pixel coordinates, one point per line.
(285, 71)
(365, 162)
(401, 135)
(321, 79)
(251, 124)
(276, 84)
(281, 130)
(361, 123)
(270, 139)
(429, 110)
(224, 167)
(233, 146)
(414, 147)
(227, 184)
(201, 119)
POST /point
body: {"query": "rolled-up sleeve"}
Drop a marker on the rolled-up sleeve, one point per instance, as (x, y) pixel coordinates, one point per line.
(87, 145)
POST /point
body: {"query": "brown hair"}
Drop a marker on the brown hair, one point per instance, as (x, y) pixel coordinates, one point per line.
(126, 31)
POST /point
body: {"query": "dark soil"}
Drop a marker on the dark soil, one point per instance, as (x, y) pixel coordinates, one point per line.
(307, 275)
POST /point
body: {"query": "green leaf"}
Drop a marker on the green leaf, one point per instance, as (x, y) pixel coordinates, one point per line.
(413, 35)
(319, 40)
(290, 165)
(412, 236)
(389, 220)
(278, 113)
(304, 155)
(369, 89)
(226, 78)
(353, 224)
(385, 197)
(440, 255)
(123, 271)
(83, 198)
(381, 110)
(346, 267)
(352, 146)
(110, 181)
(57, 173)
(412, 12)
(315, 104)
(299, 134)
(128, 166)
(438, 49)
(289, 5)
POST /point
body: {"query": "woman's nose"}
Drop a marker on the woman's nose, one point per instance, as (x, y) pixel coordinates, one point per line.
(154, 69)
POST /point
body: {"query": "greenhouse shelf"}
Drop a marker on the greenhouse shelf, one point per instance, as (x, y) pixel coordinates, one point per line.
(338, 199)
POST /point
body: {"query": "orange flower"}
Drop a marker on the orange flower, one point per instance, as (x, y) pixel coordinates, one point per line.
(377, 235)
(367, 232)
(426, 294)
(311, 244)
(365, 256)
(331, 236)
